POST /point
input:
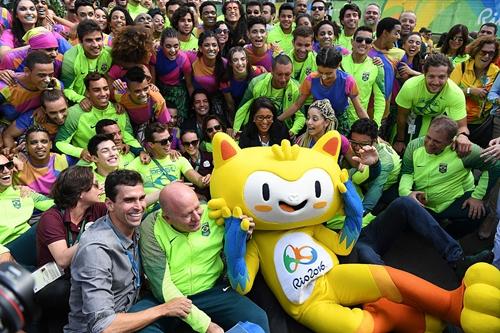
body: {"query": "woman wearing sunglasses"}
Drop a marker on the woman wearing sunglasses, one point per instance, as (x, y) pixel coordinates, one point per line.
(17, 205)
(455, 43)
(211, 125)
(200, 160)
(223, 37)
(263, 129)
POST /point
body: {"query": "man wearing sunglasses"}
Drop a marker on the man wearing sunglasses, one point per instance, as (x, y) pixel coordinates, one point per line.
(163, 169)
(17, 206)
(369, 77)
(318, 11)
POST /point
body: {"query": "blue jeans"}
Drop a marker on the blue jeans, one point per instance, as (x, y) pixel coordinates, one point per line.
(225, 307)
(377, 237)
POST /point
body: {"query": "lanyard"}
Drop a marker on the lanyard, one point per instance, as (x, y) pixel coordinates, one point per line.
(69, 234)
(135, 267)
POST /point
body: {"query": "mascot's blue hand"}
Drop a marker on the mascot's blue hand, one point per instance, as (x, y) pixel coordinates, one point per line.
(353, 208)
(235, 246)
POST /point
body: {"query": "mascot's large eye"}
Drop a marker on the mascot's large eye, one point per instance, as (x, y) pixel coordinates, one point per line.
(317, 188)
(265, 192)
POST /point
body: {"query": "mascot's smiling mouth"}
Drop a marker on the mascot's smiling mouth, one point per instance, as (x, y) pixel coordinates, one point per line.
(292, 208)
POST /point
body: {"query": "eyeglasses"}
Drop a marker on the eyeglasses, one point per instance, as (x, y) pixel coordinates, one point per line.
(359, 144)
(262, 118)
(165, 142)
(9, 165)
(214, 129)
(457, 39)
(193, 143)
(367, 40)
(490, 54)
(320, 8)
(222, 31)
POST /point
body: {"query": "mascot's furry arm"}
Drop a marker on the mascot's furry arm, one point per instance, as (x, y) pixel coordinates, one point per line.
(353, 207)
(235, 245)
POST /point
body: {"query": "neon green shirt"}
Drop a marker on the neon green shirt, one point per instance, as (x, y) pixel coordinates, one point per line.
(17, 210)
(277, 36)
(135, 10)
(163, 172)
(415, 97)
(187, 266)
(444, 177)
(344, 41)
(79, 127)
(75, 68)
(370, 81)
(190, 45)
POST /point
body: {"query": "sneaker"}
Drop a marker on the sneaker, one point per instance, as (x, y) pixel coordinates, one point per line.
(466, 261)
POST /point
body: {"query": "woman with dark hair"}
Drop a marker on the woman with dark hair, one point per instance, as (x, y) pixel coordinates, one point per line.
(183, 21)
(476, 77)
(326, 34)
(173, 72)
(101, 17)
(455, 43)
(158, 22)
(76, 195)
(263, 128)
(331, 83)
(211, 125)
(200, 160)
(222, 33)
(200, 108)
(208, 69)
(118, 19)
(24, 18)
(303, 19)
(411, 64)
(236, 22)
(239, 72)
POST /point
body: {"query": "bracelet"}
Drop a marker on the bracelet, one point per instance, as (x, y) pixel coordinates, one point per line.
(468, 91)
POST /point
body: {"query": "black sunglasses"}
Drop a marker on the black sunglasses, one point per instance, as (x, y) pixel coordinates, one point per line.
(190, 143)
(213, 129)
(320, 8)
(9, 165)
(367, 40)
(165, 142)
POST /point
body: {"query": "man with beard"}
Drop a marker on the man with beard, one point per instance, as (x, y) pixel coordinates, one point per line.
(318, 11)
(41, 169)
(50, 116)
(38, 75)
(349, 18)
(372, 16)
(89, 56)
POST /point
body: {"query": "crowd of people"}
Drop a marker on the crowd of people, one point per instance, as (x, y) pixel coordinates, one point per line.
(108, 114)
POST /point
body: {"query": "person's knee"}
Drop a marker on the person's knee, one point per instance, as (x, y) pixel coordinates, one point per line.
(258, 316)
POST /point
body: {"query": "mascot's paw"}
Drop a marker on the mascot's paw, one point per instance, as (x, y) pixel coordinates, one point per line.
(218, 210)
(344, 177)
(481, 311)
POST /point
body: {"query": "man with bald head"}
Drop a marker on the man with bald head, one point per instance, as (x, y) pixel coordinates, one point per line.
(181, 249)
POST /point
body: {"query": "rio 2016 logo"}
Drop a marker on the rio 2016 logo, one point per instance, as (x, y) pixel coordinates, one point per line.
(295, 256)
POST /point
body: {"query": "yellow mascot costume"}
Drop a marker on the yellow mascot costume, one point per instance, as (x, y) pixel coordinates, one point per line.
(289, 192)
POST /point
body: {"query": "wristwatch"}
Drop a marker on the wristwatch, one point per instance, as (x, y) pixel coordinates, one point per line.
(468, 91)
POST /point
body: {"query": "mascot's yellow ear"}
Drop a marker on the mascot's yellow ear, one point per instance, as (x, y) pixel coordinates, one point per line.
(224, 149)
(329, 144)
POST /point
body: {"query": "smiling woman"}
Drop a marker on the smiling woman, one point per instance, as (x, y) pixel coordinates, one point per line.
(24, 18)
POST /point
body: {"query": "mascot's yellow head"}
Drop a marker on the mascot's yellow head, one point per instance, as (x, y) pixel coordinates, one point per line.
(280, 187)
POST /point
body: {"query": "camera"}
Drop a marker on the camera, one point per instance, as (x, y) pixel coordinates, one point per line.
(16, 297)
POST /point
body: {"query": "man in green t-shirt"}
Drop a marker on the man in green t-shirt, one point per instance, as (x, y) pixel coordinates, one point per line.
(349, 18)
(87, 57)
(111, 128)
(369, 77)
(181, 249)
(281, 33)
(162, 170)
(424, 97)
(134, 8)
(440, 180)
(79, 127)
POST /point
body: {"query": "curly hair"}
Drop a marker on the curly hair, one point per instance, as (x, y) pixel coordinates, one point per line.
(132, 45)
(326, 110)
(476, 46)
